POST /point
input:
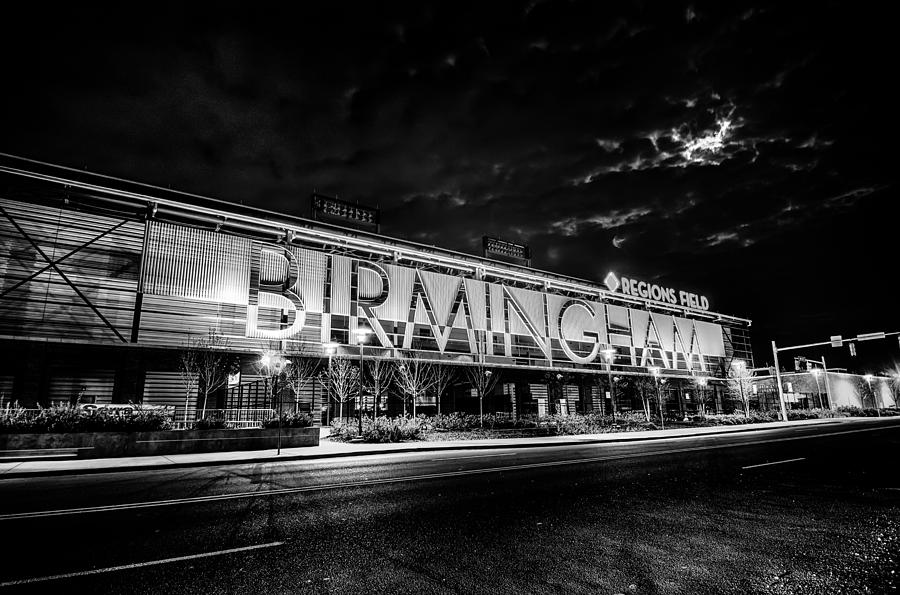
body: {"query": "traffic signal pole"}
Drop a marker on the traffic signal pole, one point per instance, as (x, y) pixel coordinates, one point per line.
(836, 341)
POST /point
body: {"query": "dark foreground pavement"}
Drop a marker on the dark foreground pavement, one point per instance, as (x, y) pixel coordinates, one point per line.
(805, 509)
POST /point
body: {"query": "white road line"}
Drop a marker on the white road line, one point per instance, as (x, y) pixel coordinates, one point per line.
(496, 454)
(40, 579)
(773, 463)
(406, 478)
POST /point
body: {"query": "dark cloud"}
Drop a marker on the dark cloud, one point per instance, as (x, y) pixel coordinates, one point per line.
(745, 151)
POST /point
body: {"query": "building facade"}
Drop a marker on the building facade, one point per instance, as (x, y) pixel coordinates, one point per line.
(104, 283)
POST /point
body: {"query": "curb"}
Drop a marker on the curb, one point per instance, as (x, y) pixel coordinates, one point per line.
(436, 447)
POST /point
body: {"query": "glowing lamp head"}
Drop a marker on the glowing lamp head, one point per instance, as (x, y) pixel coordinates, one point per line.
(654, 370)
(361, 333)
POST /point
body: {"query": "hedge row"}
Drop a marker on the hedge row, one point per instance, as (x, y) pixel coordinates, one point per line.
(462, 426)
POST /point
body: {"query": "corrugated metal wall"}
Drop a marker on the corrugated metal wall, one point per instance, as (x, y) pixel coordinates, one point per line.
(105, 272)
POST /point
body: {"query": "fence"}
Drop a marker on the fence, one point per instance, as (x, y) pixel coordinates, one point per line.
(233, 418)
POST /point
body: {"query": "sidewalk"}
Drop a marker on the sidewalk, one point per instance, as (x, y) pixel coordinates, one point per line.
(328, 449)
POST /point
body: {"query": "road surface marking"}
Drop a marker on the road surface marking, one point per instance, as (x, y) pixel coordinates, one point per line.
(773, 463)
(405, 478)
(40, 579)
(505, 454)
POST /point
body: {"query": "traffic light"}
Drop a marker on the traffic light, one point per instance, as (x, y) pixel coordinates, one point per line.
(797, 364)
(853, 349)
(803, 364)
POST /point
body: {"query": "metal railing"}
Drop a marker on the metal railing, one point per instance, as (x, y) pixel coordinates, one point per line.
(233, 418)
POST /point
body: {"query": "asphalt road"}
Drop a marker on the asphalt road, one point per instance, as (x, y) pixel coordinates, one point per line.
(810, 509)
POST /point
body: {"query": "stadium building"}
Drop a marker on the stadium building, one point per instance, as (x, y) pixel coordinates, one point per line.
(105, 283)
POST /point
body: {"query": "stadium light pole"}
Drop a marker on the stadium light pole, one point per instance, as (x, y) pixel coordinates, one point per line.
(361, 333)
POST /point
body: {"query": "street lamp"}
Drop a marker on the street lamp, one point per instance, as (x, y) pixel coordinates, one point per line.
(655, 371)
(815, 373)
(330, 348)
(609, 353)
(869, 378)
(273, 364)
(487, 381)
(361, 333)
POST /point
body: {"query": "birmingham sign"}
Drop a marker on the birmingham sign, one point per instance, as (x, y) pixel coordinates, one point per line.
(284, 288)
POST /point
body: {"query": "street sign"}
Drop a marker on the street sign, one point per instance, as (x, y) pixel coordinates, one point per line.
(836, 341)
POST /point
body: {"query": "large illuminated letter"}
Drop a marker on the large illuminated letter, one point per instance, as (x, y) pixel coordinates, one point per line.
(272, 288)
(576, 318)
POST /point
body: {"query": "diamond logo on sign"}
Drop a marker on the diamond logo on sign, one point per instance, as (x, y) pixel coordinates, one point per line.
(611, 281)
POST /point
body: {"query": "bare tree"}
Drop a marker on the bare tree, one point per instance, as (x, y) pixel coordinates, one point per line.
(482, 377)
(645, 388)
(301, 371)
(414, 376)
(188, 369)
(444, 376)
(214, 364)
(740, 384)
(340, 381)
(205, 363)
(381, 373)
(701, 398)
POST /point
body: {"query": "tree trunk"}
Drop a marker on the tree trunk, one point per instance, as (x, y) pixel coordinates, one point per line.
(187, 400)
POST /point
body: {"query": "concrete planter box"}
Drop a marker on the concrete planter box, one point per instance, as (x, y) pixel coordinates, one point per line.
(135, 444)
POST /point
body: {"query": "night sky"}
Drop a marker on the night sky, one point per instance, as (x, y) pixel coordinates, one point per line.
(743, 152)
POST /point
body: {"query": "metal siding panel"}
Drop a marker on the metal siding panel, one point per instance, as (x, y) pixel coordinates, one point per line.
(396, 308)
(370, 285)
(340, 285)
(665, 326)
(640, 321)
(475, 293)
(199, 264)
(441, 290)
(497, 315)
(106, 272)
(710, 338)
(311, 283)
(532, 304)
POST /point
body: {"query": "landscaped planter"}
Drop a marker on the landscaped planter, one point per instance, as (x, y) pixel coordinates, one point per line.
(131, 444)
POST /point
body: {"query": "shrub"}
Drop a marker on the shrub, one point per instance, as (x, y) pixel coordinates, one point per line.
(290, 420)
(343, 431)
(67, 419)
(209, 423)
(396, 429)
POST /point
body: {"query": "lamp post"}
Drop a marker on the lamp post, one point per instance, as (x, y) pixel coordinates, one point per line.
(361, 333)
(869, 379)
(330, 349)
(274, 364)
(609, 353)
(815, 372)
(487, 381)
(655, 371)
